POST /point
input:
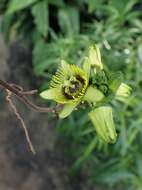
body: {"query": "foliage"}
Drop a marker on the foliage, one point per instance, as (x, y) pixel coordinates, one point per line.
(64, 31)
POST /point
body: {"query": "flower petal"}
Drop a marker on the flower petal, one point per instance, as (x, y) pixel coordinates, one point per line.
(93, 95)
(54, 94)
(95, 57)
(67, 109)
(102, 120)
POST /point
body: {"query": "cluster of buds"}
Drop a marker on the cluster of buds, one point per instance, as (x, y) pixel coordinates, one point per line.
(72, 85)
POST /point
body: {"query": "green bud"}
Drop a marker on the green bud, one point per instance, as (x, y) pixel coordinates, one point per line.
(95, 57)
(123, 92)
(102, 120)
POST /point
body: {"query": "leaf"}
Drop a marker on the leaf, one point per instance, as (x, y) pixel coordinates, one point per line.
(123, 6)
(139, 53)
(69, 20)
(58, 3)
(16, 5)
(40, 14)
(116, 176)
(94, 4)
(87, 151)
(130, 5)
(119, 5)
(139, 165)
(45, 57)
(5, 26)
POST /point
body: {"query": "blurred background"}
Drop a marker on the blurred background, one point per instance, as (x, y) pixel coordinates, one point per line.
(35, 36)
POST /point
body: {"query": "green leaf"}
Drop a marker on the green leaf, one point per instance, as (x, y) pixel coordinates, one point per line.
(45, 57)
(5, 26)
(139, 53)
(58, 3)
(86, 153)
(69, 20)
(94, 4)
(16, 5)
(123, 6)
(130, 5)
(40, 14)
(119, 5)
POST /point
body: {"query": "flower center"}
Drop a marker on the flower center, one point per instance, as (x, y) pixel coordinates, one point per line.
(73, 87)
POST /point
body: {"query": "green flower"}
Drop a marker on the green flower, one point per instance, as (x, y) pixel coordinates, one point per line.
(72, 85)
(68, 87)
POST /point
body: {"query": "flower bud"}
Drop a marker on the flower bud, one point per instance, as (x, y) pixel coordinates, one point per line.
(95, 57)
(123, 92)
(102, 120)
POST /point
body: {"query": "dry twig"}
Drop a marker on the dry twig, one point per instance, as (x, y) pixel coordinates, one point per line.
(13, 107)
(21, 94)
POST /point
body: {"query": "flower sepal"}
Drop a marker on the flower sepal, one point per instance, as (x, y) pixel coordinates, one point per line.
(67, 109)
(93, 95)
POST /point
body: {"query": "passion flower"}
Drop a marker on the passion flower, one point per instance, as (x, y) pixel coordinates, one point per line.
(72, 85)
(68, 86)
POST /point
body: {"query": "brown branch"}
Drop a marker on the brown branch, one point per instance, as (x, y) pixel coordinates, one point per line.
(13, 107)
(18, 91)
(21, 94)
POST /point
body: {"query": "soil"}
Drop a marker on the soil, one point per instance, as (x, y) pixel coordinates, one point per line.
(19, 168)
